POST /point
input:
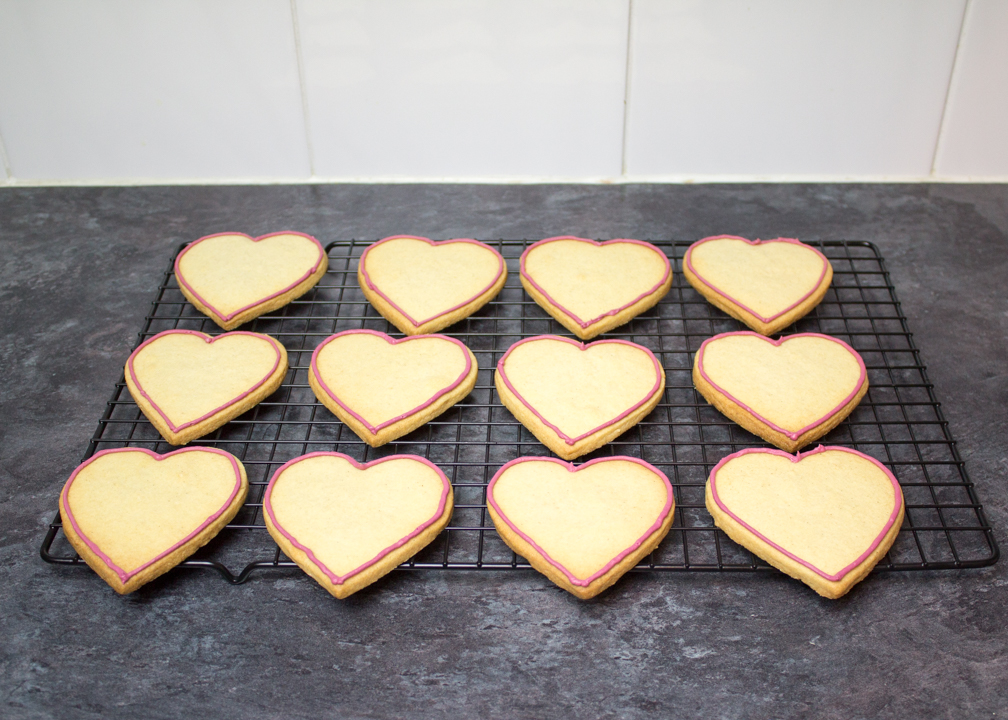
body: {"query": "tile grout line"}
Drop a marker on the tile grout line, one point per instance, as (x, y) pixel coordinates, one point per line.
(953, 76)
(626, 87)
(504, 180)
(8, 173)
(303, 87)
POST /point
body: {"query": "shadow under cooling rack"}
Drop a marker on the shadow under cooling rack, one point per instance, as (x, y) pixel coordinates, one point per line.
(899, 422)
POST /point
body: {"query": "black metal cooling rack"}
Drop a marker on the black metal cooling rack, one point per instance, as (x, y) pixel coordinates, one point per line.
(899, 422)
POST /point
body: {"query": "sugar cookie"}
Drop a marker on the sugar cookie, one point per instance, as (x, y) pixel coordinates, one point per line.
(767, 284)
(421, 286)
(582, 527)
(789, 391)
(384, 388)
(348, 524)
(188, 383)
(233, 278)
(132, 515)
(575, 398)
(592, 287)
(824, 517)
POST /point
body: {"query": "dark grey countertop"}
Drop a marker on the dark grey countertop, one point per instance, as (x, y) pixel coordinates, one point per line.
(77, 271)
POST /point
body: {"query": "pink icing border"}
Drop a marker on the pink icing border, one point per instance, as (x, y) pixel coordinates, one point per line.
(688, 259)
(386, 298)
(897, 493)
(209, 339)
(440, 393)
(570, 468)
(229, 316)
(551, 426)
(123, 575)
(333, 577)
(568, 313)
(777, 343)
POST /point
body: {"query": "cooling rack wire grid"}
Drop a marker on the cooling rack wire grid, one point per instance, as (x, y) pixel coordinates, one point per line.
(899, 422)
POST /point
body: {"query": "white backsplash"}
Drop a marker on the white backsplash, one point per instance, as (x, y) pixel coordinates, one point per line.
(186, 90)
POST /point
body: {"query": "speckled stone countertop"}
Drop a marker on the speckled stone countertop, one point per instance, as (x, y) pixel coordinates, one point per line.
(77, 270)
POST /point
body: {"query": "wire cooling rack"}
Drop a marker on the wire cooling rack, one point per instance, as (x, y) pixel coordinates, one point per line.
(899, 422)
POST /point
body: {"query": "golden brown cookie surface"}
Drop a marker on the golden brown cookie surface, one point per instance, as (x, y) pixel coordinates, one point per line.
(575, 398)
(188, 383)
(824, 517)
(583, 527)
(789, 391)
(421, 286)
(767, 284)
(591, 287)
(347, 524)
(233, 277)
(384, 388)
(132, 514)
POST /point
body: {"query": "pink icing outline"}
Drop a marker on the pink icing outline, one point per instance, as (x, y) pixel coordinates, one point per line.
(209, 339)
(897, 494)
(333, 577)
(568, 313)
(123, 575)
(570, 468)
(229, 316)
(386, 298)
(777, 343)
(373, 429)
(551, 426)
(688, 259)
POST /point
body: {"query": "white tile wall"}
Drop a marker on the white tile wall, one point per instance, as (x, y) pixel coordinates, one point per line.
(789, 86)
(120, 90)
(461, 88)
(151, 89)
(975, 134)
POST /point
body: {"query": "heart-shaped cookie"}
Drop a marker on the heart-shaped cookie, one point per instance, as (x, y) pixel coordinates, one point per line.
(421, 286)
(132, 515)
(591, 287)
(575, 398)
(789, 391)
(348, 524)
(384, 388)
(233, 278)
(825, 517)
(188, 383)
(767, 284)
(581, 527)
